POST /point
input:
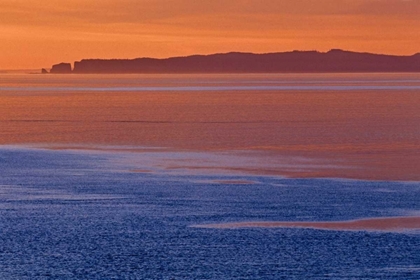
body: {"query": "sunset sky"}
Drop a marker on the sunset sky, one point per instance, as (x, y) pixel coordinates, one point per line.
(36, 34)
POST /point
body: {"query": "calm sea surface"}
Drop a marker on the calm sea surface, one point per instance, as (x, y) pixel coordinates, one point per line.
(366, 125)
(107, 176)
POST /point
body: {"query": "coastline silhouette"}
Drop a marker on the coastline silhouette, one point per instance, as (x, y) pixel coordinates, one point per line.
(333, 61)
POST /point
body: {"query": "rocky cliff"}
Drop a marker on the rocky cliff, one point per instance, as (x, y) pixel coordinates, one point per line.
(334, 61)
(61, 68)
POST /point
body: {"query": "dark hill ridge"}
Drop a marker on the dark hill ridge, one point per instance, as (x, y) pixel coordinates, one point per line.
(235, 62)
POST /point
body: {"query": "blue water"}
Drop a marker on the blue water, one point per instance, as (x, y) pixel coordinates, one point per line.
(82, 215)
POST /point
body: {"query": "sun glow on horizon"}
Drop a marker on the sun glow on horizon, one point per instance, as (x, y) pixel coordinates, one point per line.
(35, 35)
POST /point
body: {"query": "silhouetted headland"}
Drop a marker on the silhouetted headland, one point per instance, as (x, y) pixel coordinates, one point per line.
(61, 68)
(334, 61)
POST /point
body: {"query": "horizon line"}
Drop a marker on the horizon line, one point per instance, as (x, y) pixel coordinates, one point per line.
(6, 71)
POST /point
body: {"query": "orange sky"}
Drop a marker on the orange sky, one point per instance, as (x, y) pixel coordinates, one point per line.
(36, 34)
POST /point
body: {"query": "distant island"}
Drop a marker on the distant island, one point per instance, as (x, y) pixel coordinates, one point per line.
(333, 61)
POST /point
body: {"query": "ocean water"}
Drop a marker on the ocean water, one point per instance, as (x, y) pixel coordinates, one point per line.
(86, 215)
(367, 121)
(111, 176)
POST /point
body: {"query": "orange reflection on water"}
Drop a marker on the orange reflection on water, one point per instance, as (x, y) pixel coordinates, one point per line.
(374, 224)
(376, 133)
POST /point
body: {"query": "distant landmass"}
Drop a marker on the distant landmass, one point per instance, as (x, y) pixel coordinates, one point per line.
(333, 61)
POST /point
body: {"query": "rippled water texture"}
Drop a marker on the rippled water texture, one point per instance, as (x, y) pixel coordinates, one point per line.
(210, 176)
(79, 214)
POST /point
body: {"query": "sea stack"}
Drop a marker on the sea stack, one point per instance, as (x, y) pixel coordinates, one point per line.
(61, 68)
(44, 71)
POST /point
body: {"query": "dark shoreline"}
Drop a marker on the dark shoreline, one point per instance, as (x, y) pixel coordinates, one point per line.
(334, 61)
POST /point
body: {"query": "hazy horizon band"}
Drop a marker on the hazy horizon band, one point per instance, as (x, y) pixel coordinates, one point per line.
(215, 88)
